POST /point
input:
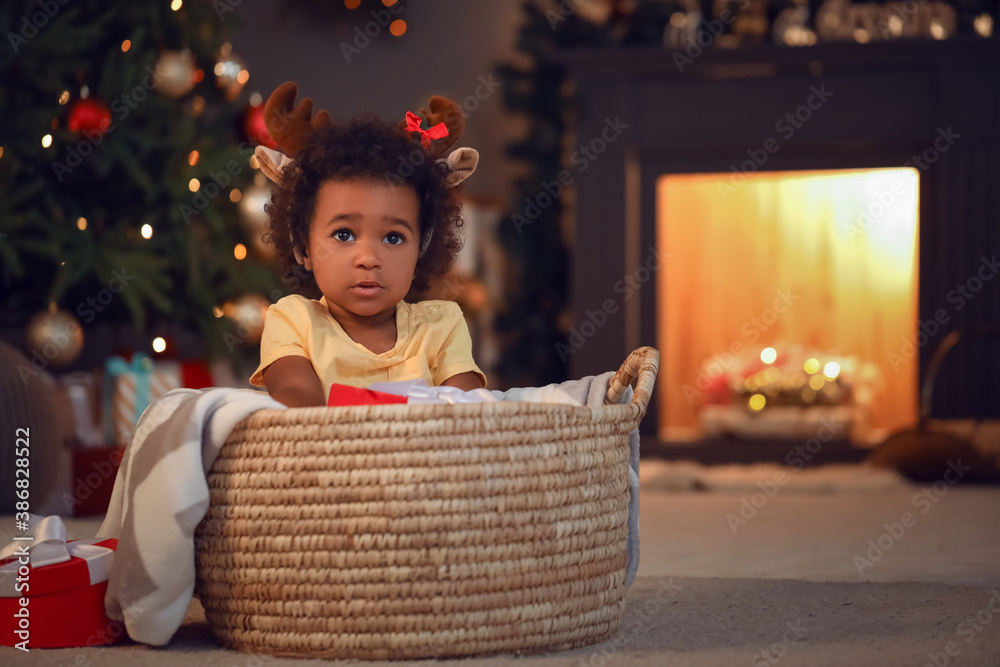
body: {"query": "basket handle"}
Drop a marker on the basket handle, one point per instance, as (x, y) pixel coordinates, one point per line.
(641, 367)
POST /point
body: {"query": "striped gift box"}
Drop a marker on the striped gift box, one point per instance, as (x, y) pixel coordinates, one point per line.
(130, 386)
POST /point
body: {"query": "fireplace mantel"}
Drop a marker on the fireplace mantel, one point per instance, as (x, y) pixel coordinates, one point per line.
(765, 60)
(876, 105)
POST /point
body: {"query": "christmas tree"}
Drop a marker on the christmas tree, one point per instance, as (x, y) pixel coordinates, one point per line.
(124, 156)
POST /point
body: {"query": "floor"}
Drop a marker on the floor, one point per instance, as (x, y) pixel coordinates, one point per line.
(755, 565)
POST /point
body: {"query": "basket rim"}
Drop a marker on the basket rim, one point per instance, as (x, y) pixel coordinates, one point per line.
(346, 414)
(461, 408)
(640, 367)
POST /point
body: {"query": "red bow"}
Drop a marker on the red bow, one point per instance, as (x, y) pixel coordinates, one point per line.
(439, 131)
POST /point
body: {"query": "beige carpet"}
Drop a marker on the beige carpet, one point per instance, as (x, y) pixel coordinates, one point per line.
(784, 588)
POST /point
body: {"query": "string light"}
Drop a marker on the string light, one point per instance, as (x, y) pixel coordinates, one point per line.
(895, 25)
(193, 158)
(757, 402)
(397, 27)
(768, 355)
(159, 345)
(176, 4)
(126, 45)
(831, 370)
(63, 97)
(983, 25)
(194, 184)
(240, 251)
(217, 311)
(388, 3)
(1, 151)
(46, 141)
(811, 366)
(146, 231)
(81, 223)
(235, 195)
(352, 4)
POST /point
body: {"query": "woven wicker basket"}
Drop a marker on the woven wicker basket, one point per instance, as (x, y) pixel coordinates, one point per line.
(416, 531)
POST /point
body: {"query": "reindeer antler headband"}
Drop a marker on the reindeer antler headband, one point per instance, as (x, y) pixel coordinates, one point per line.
(290, 126)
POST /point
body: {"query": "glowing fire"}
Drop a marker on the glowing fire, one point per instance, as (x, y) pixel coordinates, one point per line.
(822, 259)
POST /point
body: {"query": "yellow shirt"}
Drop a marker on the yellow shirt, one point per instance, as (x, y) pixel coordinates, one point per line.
(432, 342)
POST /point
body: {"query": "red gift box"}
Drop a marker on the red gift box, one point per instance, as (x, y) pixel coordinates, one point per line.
(94, 472)
(342, 394)
(59, 605)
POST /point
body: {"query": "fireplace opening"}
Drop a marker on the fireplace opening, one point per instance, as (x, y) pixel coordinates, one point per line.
(786, 304)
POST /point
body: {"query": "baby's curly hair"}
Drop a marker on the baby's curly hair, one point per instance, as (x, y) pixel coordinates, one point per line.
(366, 148)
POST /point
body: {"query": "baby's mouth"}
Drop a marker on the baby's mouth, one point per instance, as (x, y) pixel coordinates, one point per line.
(366, 288)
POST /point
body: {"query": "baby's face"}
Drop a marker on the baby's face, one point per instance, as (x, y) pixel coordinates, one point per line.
(364, 239)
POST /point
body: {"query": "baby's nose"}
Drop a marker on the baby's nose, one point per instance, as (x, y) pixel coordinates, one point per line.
(368, 254)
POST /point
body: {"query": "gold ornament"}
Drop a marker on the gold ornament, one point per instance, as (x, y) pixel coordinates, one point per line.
(175, 73)
(248, 313)
(55, 336)
(251, 207)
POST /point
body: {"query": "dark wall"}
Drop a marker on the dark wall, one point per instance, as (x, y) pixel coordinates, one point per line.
(450, 48)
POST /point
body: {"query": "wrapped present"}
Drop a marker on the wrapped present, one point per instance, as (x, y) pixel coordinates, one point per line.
(404, 391)
(342, 394)
(76, 398)
(129, 388)
(52, 590)
(196, 375)
(418, 391)
(93, 480)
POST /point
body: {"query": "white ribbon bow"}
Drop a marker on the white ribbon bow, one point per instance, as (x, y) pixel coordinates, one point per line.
(49, 547)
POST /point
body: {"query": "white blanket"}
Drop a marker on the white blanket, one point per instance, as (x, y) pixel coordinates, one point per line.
(159, 498)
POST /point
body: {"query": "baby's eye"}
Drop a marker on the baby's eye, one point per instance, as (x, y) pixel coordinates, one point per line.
(344, 235)
(394, 238)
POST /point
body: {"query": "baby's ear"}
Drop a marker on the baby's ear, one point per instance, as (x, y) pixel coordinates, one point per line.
(462, 162)
(273, 163)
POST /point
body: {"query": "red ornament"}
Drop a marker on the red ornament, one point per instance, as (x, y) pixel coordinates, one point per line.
(254, 128)
(89, 115)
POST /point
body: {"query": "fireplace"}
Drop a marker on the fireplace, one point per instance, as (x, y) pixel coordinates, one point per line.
(851, 185)
(809, 268)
